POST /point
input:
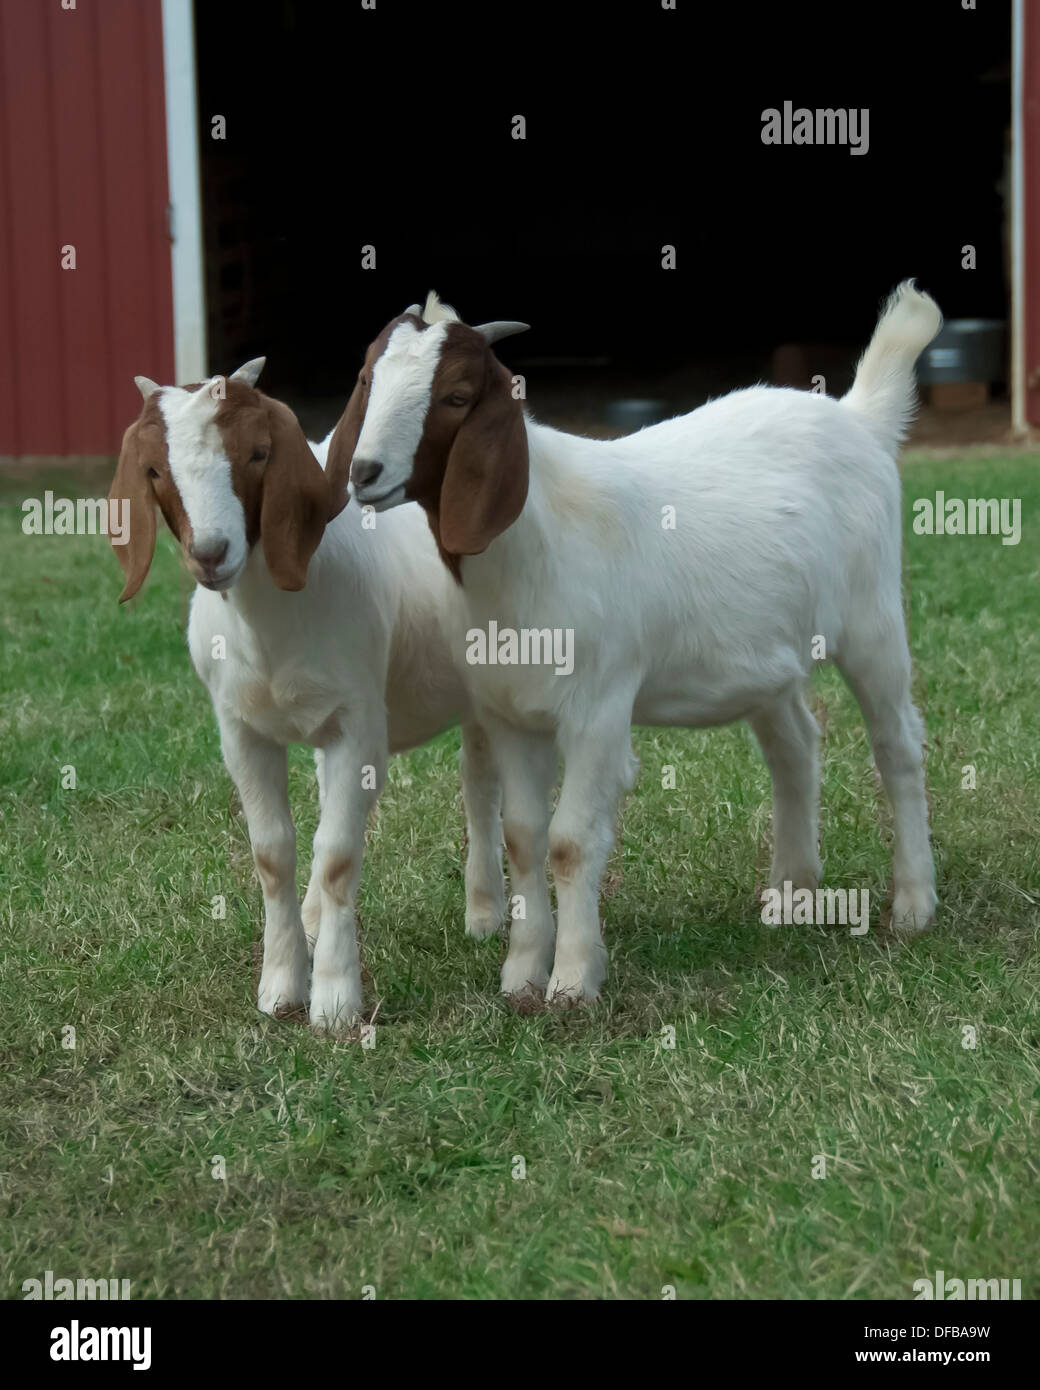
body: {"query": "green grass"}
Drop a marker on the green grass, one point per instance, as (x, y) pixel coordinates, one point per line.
(645, 1166)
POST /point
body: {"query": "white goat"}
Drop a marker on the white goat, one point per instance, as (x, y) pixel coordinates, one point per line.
(698, 564)
(354, 664)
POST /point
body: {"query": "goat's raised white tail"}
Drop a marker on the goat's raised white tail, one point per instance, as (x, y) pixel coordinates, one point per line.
(883, 390)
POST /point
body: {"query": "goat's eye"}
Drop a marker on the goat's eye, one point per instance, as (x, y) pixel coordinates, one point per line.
(362, 381)
(456, 398)
(152, 473)
(258, 456)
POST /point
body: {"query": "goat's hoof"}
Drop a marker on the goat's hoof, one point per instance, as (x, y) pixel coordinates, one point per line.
(569, 987)
(523, 976)
(282, 992)
(481, 923)
(335, 1005)
(913, 911)
(342, 1023)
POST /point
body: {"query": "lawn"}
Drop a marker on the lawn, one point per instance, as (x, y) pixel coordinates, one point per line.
(475, 1152)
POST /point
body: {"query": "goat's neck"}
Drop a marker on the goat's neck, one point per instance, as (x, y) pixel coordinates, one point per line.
(255, 599)
(565, 491)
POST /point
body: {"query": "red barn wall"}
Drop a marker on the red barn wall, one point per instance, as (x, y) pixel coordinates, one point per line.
(82, 163)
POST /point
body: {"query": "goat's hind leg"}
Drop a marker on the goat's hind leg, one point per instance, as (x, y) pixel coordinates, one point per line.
(790, 739)
(482, 799)
(878, 670)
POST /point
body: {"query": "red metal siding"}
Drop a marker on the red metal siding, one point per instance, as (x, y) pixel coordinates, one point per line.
(1031, 210)
(82, 163)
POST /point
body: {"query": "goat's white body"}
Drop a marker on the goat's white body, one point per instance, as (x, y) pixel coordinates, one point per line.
(704, 565)
(374, 610)
(356, 665)
(784, 504)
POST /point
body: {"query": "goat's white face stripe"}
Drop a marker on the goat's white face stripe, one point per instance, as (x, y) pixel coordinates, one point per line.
(201, 472)
(398, 400)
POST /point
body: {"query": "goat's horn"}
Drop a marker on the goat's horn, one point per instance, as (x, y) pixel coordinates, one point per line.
(146, 386)
(249, 371)
(500, 328)
(415, 309)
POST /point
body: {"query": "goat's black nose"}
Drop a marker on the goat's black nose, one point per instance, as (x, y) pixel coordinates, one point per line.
(209, 553)
(365, 472)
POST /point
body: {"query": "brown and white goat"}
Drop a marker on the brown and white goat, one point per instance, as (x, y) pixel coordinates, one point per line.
(701, 567)
(307, 627)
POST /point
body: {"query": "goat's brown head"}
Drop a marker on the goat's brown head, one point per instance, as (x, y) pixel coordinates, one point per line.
(227, 466)
(433, 419)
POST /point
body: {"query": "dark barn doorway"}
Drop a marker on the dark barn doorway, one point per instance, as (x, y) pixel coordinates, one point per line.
(348, 128)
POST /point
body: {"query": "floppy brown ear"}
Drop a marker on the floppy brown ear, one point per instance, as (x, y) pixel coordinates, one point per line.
(485, 482)
(341, 450)
(130, 485)
(294, 504)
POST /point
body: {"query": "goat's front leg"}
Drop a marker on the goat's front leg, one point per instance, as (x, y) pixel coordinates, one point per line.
(259, 769)
(482, 799)
(354, 773)
(526, 764)
(600, 767)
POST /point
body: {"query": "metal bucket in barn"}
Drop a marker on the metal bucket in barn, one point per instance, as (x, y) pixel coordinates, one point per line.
(966, 350)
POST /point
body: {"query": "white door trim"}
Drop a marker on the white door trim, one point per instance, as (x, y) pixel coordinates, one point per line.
(182, 159)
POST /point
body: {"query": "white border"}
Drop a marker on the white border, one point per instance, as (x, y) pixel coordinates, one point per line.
(182, 157)
(1019, 423)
